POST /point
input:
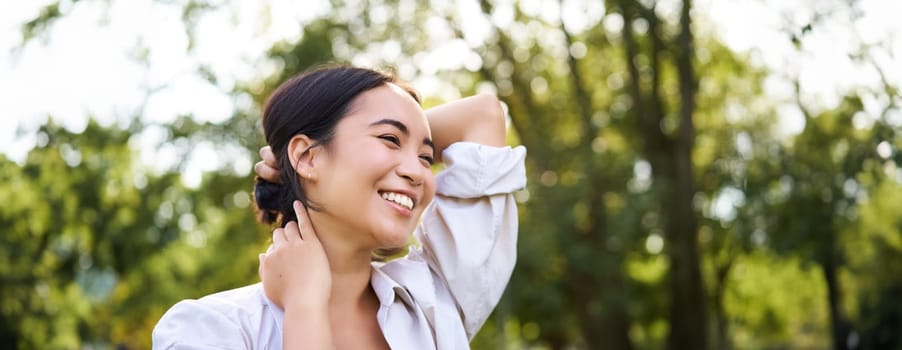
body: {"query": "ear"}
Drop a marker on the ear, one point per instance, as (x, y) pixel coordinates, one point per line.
(302, 154)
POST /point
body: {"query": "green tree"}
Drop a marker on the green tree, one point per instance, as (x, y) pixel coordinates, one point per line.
(97, 247)
(75, 222)
(663, 208)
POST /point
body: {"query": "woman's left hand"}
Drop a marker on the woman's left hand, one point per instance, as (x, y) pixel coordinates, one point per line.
(295, 271)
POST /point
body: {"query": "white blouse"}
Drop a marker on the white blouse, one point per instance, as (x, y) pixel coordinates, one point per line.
(436, 297)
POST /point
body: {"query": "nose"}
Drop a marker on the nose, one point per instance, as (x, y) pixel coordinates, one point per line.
(412, 170)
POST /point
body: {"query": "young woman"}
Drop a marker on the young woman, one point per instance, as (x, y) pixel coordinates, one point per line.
(354, 152)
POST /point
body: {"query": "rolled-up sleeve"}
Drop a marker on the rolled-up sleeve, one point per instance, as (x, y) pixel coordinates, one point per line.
(469, 238)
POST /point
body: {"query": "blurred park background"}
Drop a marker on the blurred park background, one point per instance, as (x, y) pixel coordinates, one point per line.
(703, 174)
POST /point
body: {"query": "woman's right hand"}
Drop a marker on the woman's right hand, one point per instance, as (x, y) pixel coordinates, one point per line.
(295, 270)
(267, 168)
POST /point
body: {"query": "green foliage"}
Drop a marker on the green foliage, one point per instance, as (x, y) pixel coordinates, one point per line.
(874, 250)
(764, 315)
(39, 24)
(97, 247)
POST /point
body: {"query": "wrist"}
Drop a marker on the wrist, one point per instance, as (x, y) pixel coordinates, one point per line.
(306, 304)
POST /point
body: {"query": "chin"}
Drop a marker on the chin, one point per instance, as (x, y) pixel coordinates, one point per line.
(395, 239)
(394, 242)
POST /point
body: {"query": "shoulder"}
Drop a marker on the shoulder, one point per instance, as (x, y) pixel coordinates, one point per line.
(227, 320)
(239, 300)
(233, 304)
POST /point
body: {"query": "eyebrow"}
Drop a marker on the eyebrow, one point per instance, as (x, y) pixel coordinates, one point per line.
(398, 124)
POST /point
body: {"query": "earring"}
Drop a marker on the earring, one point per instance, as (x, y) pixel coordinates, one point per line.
(309, 175)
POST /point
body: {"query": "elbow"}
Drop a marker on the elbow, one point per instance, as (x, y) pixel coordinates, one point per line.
(491, 123)
(493, 111)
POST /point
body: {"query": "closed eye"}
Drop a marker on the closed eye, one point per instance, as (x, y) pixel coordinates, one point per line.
(428, 159)
(391, 138)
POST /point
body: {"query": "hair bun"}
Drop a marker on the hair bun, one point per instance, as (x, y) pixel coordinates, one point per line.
(267, 197)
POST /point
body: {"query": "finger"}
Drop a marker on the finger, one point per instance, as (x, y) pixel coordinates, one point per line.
(268, 157)
(278, 237)
(260, 266)
(267, 172)
(292, 233)
(304, 224)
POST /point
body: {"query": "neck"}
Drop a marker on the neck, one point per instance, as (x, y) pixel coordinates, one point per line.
(348, 261)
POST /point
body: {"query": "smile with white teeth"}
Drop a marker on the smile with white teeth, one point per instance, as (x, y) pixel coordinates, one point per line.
(398, 198)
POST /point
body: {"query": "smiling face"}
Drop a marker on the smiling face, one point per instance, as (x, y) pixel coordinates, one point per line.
(373, 179)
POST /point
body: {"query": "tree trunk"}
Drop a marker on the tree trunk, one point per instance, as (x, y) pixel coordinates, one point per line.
(603, 322)
(607, 328)
(722, 340)
(599, 290)
(689, 325)
(840, 326)
(671, 160)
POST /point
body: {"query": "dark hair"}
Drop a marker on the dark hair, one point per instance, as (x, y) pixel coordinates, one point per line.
(311, 104)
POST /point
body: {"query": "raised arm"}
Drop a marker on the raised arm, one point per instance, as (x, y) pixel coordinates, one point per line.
(477, 118)
(469, 235)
